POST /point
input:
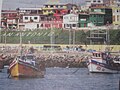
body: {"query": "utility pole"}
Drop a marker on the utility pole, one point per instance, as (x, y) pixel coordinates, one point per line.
(52, 38)
(70, 34)
(5, 37)
(74, 37)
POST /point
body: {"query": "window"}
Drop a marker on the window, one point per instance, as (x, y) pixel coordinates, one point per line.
(35, 18)
(117, 10)
(99, 1)
(61, 6)
(58, 12)
(26, 18)
(56, 6)
(46, 6)
(74, 25)
(44, 10)
(114, 18)
(68, 25)
(51, 6)
(48, 10)
(94, 0)
(37, 25)
(117, 17)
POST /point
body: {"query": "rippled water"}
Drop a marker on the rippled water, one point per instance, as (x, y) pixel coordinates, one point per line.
(63, 79)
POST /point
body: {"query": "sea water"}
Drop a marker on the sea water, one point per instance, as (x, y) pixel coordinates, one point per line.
(62, 79)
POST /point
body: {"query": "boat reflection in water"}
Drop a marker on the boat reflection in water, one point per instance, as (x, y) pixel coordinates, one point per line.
(26, 66)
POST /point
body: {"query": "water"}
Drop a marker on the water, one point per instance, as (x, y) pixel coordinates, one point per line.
(63, 79)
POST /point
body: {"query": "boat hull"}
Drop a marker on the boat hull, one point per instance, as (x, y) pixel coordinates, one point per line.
(97, 67)
(22, 69)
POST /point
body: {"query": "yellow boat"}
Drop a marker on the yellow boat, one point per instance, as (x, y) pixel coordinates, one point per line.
(26, 66)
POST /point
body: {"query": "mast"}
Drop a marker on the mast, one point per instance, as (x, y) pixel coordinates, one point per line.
(0, 12)
(0, 17)
(20, 42)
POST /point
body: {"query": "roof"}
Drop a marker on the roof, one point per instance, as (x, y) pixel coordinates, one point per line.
(9, 11)
(100, 7)
(83, 13)
(97, 13)
(39, 8)
(54, 2)
(31, 15)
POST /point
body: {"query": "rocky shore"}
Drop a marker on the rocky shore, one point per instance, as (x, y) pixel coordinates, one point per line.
(62, 59)
(56, 59)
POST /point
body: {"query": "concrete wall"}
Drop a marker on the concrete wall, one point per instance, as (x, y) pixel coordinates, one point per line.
(114, 48)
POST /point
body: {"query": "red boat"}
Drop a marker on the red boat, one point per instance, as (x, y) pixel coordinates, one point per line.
(26, 66)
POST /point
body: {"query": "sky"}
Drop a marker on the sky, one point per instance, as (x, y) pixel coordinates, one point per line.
(13, 4)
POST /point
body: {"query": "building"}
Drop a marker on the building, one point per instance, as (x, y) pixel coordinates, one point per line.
(97, 1)
(100, 15)
(83, 19)
(29, 18)
(97, 18)
(9, 19)
(90, 2)
(116, 12)
(51, 6)
(30, 21)
(70, 21)
(94, 2)
(52, 24)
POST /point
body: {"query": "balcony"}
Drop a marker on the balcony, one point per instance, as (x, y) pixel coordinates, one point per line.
(53, 21)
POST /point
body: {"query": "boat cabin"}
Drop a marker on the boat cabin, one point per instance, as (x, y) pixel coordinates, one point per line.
(28, 58)
(101, 56)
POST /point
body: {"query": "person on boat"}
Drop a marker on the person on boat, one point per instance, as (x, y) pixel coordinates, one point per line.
(31, 50)
(108, 58)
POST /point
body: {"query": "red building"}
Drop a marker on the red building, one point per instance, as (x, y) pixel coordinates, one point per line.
(9, 19)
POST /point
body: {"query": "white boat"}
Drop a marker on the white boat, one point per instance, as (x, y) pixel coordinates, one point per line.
(102, 62)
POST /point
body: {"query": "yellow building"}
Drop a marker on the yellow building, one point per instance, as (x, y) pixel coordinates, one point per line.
(51, 6)
(116, 12)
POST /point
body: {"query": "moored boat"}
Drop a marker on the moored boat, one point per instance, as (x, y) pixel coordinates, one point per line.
(2, 61)
(26, 66)
(102, 62)
(1, 65)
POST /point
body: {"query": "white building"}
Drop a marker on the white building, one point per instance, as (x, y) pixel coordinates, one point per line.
(30, 22)
(70, 21)
(30, 10)
(31, 18)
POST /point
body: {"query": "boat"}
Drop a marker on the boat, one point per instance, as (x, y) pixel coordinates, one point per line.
(2, 61)
(26, 66)
(117, 59)
(102, 62)
(1, 65)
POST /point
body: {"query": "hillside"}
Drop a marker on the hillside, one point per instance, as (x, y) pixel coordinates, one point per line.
(59, 37)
